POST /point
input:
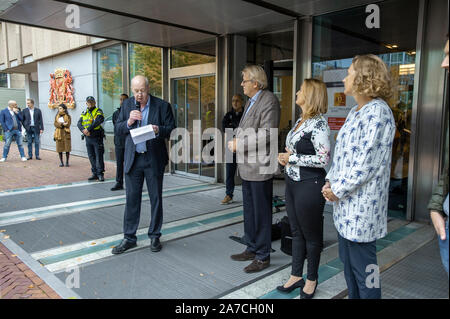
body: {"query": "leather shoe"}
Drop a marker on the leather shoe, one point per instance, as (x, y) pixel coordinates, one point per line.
(299, 284)
(156, 245)
(93, 178)
(30, 158)
(246, 255)
(304, 295)
(117, 187)
(101, 178)
(257, 265)
(38, 158)
(123, 246)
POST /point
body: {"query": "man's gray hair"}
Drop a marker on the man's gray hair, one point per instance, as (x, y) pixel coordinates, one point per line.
(137, 77)
(256, 74)
(11, 102)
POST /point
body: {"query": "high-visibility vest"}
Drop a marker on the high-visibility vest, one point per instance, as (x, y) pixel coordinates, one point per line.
(88, 117)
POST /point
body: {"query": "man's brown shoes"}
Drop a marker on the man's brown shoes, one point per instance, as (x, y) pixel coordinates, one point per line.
(246, 255)
(257, 265)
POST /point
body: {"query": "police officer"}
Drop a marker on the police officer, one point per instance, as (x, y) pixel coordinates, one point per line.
(90, 125)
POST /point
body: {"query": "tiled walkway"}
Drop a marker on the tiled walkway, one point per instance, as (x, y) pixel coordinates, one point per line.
(16, 279)
(17, 174)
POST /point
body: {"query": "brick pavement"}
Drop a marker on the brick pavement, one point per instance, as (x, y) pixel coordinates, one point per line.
(17, 174)
(17, 281)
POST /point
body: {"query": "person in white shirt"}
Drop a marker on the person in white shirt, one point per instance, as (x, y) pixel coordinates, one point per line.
(358, 180)
(307, 154)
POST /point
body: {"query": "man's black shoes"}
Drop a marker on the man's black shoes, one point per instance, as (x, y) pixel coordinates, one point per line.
(117, 187)
(156, 245)
(101, 178)
(123, 246)
(93, 178)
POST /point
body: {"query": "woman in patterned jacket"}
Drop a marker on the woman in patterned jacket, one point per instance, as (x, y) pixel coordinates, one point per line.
(307, 153)
(358, 180)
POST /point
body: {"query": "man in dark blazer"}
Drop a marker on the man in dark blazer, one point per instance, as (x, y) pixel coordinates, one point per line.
(144, 160)
(34, 127)
(119, 147)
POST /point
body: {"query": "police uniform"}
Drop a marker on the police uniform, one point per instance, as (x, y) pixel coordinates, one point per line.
(92, 120)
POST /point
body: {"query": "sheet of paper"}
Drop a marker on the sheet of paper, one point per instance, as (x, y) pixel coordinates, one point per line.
(142, 134)
(61, 120)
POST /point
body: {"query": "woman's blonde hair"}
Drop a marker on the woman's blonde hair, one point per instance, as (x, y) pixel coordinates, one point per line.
(316, 98)
(256, 74)
(372, 77)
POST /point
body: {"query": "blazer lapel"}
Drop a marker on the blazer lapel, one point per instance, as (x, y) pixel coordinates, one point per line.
(252, 110)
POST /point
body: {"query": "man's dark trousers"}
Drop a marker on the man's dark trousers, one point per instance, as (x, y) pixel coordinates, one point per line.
(95, 150)
(33, 134)
(356, 257)
(231, 171)
(120, 158)
(257, 197)
(134, 182)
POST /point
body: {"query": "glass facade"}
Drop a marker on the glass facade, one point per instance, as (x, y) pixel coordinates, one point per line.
(194, 100)
(3, 80)
(146, 60)
(183, 58)
(337, 38)
(110, 86)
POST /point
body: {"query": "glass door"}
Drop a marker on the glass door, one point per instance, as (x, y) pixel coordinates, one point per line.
(195, 109)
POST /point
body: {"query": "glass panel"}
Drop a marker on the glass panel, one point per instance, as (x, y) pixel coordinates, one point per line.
(193, 113)
(180, 116)
(146, 60)
(275, 46)
(337, 38)
(109, 77)
(208, 105)
(182, 58)
(282, 88)
(3, 80)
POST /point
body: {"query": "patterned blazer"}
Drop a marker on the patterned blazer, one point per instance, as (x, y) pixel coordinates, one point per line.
(310, 147)
(360, 172)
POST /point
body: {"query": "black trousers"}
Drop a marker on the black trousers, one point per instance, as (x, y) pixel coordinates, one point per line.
(95, 150)
(257, 197)
(134, 182)
(120, 158)
(360, 269)
(231, 171)
(33, 134)
(304, 205)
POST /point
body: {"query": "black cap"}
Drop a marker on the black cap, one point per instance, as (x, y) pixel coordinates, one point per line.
(90, 98)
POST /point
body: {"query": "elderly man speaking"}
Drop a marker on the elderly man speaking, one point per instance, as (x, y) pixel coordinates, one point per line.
(147, 160)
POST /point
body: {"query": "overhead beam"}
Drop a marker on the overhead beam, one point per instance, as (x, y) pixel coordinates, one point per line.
(133, 16)
(275, 8)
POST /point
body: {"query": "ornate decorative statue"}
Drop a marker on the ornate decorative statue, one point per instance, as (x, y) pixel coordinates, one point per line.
(61, 89)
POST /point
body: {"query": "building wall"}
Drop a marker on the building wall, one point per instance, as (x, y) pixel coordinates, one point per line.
(81, 64)
(17, 81)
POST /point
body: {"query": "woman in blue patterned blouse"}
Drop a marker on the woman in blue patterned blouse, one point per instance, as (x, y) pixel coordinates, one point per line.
(358, 180)
(307, 153)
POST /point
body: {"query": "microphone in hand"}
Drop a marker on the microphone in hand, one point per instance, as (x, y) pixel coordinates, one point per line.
(138, 107)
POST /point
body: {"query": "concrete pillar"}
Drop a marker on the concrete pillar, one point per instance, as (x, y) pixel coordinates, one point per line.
(302, 58)
(31, 88)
